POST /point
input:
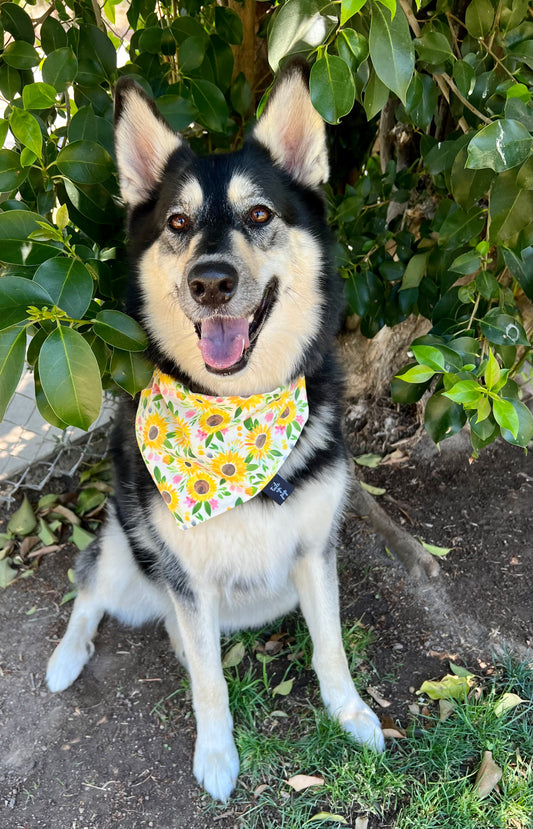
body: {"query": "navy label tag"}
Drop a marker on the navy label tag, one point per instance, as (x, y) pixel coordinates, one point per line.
(278, 489)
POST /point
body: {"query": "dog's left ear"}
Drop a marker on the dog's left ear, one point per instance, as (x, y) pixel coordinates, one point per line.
(292, 130)
(143, 142)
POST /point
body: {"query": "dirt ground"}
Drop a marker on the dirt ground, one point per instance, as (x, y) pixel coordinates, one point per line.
(99, 756)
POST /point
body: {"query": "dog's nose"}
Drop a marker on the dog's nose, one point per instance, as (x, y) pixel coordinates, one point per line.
(212, 283)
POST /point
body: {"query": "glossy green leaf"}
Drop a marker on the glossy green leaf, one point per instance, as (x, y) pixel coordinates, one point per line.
(433, 48)
(469, 186)
(211, 104)
(501, 145)
(352, 47)
(68, 282)
(502, 329)
(12, 353)
(332, 88)
(443, 417)
(464, 77)
(15, 245)
(178, 111)
(510, 207)
(349, 8)
(119, 330)
(421, 101)
(487, 285)
(17, 22)
(191, 53)
(85, 162)
(417, 374)
(38, 96)
(520, 269)
(16, 294)
(479, 17)
(466, 392)
(391, 49)
(60, 68)
(299, 26)
(524, 432)
(26, 129)
(130, 370)
(20, 55)
(53, 35)
(11, 173)
(97, 52)
(466, 263)
(376, 95)
(228, 25)
(70, 377)
(505, 415)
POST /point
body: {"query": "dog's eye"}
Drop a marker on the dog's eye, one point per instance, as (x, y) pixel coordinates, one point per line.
(179, 222)
(260, 215)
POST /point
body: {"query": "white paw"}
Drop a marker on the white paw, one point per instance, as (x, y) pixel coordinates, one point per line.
(216, 766)
(66, 664)
(363, 725)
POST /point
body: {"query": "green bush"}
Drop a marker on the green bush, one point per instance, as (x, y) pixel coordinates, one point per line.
(432, 201)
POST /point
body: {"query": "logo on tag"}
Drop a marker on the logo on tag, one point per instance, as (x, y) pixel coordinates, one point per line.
(278, 489)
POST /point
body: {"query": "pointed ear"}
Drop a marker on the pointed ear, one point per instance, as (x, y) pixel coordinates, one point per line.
(292, 130)
(143, 141)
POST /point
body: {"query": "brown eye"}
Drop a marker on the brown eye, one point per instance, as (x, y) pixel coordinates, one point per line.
(178, 222)
(260, 215)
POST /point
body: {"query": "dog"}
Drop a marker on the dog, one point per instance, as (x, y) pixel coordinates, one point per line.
(234, 284)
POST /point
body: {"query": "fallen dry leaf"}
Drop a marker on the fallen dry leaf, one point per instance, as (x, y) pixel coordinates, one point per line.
(329, 816)
(394, 733)
(361, 823)
(260, 789)
(376, 697)
(506, 702)
(304, 781)
(488, 776)
(446, 708)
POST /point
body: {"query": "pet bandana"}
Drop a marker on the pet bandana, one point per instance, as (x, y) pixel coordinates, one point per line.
(208, 454)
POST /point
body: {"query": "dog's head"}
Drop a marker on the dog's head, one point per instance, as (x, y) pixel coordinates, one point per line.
(230, 251)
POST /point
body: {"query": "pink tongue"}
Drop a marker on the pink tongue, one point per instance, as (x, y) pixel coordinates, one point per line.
(223, 341)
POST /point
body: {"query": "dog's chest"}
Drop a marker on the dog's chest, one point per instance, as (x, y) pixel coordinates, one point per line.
(257, 542)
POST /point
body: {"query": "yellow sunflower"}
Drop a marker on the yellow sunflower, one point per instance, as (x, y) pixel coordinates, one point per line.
(169, 496)
(180, 431)
(247, 403)
(185, 466)
(287, 413)
(231, 466)
(213, 420)
(259, 441)
(155, 431)
(201, 486)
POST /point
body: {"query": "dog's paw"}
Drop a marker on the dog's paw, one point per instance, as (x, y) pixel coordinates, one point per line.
(66, 664)
(216, 767)
(364, 726)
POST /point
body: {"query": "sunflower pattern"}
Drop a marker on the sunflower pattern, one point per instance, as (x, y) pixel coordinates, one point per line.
(208, 454)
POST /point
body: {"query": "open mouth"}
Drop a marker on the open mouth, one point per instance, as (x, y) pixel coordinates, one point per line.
(226, 343)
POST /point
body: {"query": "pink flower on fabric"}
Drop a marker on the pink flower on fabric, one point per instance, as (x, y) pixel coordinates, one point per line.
(190, 413)
(299, 419)
(280, 428)
(189, 501)
(269, 416)
(213, 503)
(177, 479)
(201, 435)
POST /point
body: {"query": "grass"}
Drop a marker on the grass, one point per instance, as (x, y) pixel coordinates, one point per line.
(425, 781)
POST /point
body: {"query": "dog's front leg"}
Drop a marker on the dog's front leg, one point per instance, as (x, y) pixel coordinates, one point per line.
(315, 578)
(216, 762)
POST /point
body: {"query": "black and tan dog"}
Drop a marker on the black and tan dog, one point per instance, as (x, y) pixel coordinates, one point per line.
(232, 279)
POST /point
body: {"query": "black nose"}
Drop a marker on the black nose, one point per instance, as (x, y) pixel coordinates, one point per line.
(213, 283)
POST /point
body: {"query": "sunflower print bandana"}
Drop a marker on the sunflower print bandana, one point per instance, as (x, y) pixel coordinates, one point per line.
(209, 454)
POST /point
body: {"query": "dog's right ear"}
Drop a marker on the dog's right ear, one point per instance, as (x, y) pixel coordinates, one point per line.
(143, 141)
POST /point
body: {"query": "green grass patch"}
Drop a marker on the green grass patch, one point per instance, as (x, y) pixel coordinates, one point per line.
(425, 781)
